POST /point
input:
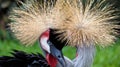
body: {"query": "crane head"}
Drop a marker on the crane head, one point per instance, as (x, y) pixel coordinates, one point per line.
(53, 55)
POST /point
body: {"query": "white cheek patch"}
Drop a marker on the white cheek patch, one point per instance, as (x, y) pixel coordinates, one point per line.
(44, 44)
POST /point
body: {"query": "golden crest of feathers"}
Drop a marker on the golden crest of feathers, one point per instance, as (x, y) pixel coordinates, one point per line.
(81, 22)
(32, 19)
(88, 22)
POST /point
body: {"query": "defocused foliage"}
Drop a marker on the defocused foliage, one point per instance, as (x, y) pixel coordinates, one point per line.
(5, 6)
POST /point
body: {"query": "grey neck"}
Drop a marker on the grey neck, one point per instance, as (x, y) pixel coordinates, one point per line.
(85, 56)
(69, 63)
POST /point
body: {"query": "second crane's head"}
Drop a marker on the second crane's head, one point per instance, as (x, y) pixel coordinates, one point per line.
(51, 49)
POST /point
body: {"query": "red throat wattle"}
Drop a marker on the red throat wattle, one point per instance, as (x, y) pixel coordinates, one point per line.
(52, 61)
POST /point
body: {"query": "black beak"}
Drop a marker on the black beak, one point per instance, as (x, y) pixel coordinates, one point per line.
(57, 53)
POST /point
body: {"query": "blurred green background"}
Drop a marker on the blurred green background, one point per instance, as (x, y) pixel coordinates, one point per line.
(105, 57)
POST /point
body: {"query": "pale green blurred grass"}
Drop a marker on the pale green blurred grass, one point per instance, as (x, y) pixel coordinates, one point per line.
(105, 57)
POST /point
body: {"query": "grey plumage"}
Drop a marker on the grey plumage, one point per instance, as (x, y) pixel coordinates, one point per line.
(85, 56)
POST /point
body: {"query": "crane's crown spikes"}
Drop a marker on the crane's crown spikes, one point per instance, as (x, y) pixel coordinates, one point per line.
(32, 19)
(81, 23)
(88, 22)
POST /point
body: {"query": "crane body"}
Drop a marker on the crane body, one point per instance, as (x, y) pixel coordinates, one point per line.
(23, 59)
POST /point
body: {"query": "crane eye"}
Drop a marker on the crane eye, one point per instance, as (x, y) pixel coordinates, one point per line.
(59, 56)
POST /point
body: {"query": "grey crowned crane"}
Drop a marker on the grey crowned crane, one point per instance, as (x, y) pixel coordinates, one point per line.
(53, 55)
(79, 23)
(32, 22)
